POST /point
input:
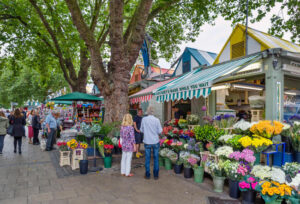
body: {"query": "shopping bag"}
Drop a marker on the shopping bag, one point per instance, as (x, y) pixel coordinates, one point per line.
(10, 130)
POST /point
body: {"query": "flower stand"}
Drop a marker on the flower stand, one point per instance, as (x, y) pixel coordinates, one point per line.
(218, 184)
(64, 158)
(198, 174)
(77, 155)
(168, 164)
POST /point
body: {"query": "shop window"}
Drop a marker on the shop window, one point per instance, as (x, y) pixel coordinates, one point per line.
(238, 50)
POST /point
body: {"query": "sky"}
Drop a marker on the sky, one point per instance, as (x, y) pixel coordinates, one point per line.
(213, 37)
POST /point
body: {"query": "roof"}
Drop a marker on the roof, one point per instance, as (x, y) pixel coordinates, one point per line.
(264, 39)
(140, 96)
(198, 82)
(77, 96)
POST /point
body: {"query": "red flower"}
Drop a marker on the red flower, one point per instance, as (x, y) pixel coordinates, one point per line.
(176, 122)
(180, 132)
(61, 144)
(169, 142)
(108, 146)
(175, 131)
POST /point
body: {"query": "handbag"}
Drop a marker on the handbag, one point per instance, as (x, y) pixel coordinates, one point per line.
(9, 130)
(120, 143)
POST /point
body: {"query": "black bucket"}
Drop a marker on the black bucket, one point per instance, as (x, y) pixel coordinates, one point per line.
(188, 172)
(234, 191)
(84, 166)
(249, 197)
(178, 169)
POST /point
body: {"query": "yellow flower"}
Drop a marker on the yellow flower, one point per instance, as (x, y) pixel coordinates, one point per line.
(267, 184)
(270, 192)
(264, 191)
(275, 183)
(100, 143)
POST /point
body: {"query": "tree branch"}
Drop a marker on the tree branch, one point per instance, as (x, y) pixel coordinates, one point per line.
(163, 6)
(95, 16)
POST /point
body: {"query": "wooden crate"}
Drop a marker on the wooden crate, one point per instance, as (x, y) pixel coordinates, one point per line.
(64, 158)
(256, 115)
(77, 155)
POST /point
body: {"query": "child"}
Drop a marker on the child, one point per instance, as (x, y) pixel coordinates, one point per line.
(128, 144)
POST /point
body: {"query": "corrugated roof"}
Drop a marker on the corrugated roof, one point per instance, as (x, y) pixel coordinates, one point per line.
(202, 57)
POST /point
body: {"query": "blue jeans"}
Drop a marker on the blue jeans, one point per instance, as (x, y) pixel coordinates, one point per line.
(1, 142)
(50, 139)
(155, 148)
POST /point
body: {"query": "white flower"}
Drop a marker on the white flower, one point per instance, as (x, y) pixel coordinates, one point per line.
(225, 138)
(296, 122)
(286, 126)
(224, 151)
(243, 125)
(261, 172)
(295, 182)
(277, 175)
(185, 146)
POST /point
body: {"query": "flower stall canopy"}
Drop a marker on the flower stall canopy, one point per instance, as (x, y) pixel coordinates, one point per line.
(198, 82)
(147, 94)
(77, 96)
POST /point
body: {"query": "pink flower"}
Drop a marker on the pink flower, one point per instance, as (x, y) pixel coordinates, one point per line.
(179, 143)
(251, 179)
(203, 108)
(253, 185)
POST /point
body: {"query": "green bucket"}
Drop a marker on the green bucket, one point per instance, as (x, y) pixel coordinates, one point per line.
(107, 162)
(257, 158)
(168, 164)
(161, 161)
(198, 174)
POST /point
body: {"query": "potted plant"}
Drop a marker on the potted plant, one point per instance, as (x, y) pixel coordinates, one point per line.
(199, 169)
(234, 175)
(162, 155)
(192, 121)
(295, 197)
(170, 156)
(273, 192)
(295, 136)
(247, 186)
(218, 174)
(178, 165)
(187, 170)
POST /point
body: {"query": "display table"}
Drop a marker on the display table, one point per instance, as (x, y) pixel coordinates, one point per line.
(276, 152)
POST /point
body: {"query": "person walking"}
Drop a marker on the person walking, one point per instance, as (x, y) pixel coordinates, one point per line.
(36, 126)
(18, 121)
(30, 129)
(128, 145)
(3, 129)
(151, 128)
(137, 121)
(51, 127)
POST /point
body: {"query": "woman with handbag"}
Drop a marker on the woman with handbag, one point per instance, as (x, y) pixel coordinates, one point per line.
(18, 121)
(3, 129)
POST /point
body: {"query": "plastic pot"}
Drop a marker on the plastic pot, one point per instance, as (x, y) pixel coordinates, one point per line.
(249, 197)
(84, 166)
(188, 172)
(218, 184)
(294, 200)
(257, 158)
(277, 201)
(178, 168)
(297, 157)
(234, 191)
(198, 174)
(161, 161)
(107, 162)
(168, 164)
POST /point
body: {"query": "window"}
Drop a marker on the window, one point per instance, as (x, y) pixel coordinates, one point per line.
(238, 50)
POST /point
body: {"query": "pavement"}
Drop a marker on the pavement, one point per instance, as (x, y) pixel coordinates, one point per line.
(32, 178)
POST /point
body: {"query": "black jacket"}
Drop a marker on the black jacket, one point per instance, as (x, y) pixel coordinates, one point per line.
(36, 122)
(18, 126)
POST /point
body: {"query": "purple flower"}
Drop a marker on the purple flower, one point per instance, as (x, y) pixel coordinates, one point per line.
(227, 116)
(218, 117)
(203, 108)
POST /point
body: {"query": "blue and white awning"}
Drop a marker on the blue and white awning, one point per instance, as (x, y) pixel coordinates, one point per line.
(198, 82)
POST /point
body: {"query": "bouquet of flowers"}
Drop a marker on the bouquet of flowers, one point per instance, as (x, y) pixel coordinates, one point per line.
(257, 144)
(163, 152)
(172, 156)
(224, 151)
(291, 169)
(295, 136)
(217, 168)
(208, 133)
(83, 145)
(165, 142)
(72, 144)
(248, 183)
(225, 138)
(182, 123)
(225, 121)
(246, 155)
(193, 119)
(108, 149)
(242, 127)
(261, 172)
(272, 190)
(62, 146)
(177, 146)
(210, 147)
(115, 141)
(277, 175)
(266, 128)
(231, 170)
(100, 145)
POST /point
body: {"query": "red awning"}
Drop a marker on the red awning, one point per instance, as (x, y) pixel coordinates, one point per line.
(147, 94)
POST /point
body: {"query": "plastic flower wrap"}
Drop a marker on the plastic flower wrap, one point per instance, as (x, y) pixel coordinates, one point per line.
(261, 172)
(172, 156)
(242, 125)
(266, 128)
(295, 183)
(248, 183)
(224, 151)
(115, 141)
(277, 175)
(272, 190)
(231, 170)
(257, 144)
(163, 152)
(225, 138)
(291, 169)
(72, 144)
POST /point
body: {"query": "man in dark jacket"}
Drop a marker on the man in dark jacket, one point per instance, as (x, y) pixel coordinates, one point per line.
(36, 125)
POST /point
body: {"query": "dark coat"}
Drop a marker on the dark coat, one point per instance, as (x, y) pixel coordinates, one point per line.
(36, 122)
(18, 126)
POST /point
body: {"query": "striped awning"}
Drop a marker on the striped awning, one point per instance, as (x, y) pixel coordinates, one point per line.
(198, 82)
(141, 99)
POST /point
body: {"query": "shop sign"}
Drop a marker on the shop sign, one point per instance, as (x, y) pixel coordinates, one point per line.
(185, 88)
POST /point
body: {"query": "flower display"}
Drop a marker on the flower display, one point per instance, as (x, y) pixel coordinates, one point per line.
(62, 146)
(266, 128)
(225, 121)
(246, 155)
(225, 138)
(277, 175)
(291, 169)
(257, 144)
(83, 145)
(224, 151)
(177, 146)
(72, 144)
(217, 168)
(248, 183)
(261, 172)
(242, 125)
(193, 119)
(231, 170)
(272, 190)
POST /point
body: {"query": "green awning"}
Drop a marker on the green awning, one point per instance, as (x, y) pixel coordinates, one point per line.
(77, 96)
(63, 102)
(198, 82)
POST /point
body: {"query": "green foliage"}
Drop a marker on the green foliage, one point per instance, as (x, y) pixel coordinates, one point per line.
(107, 141)
(208, 133)
(234, 142)
(108, 128)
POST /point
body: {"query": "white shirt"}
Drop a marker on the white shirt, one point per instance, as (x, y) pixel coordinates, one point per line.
(151, 128)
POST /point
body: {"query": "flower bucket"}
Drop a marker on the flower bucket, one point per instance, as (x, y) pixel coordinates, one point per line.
(198, 174)
(178, 168)
(277, 159)
(297, 157)
(257, 158)
(234, 191)
(107, 162)
(161, 161)
(276, 201)
(168, 164)
(249, 197)
(294, 200)
(83, 165)
(218, 184)
(288, 157)
(188, 172)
